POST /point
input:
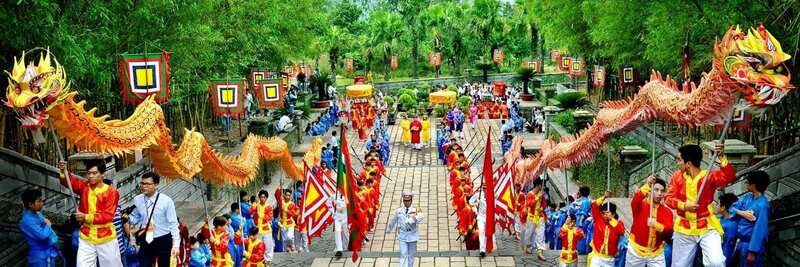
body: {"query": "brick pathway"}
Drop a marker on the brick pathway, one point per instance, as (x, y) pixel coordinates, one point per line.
(421, 173)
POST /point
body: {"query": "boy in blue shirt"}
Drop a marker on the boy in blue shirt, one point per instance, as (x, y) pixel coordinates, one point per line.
(42, 241)
(729, 227)
(752, 217)
(583, 212)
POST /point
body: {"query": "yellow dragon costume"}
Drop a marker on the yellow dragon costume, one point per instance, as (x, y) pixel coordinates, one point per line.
(39, 95)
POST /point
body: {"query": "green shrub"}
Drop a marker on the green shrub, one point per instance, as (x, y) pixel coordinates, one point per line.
(439, 111)
(572, 100)
(452, 88)
(425, 87)
(389, 100)
(464, 102)
(406, 102)
(566, 120)
(407, 91)
(422, 95)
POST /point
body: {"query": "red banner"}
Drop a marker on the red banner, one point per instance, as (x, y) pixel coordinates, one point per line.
(566, 63)
(554, 55)
(497, 56)
(394, 62)
(348, 64)
(599, 77)
(576, 70)
(435, 59)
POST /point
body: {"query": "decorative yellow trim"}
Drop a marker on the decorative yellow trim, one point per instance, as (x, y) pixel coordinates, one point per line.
(645, 252)
(645, 188)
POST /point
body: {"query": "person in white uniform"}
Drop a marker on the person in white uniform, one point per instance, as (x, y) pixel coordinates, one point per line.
(478, 204)
(407, 219)
(340, 231)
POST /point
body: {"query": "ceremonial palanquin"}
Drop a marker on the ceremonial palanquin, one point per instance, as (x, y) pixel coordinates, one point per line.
(748, 63)
(40, 96)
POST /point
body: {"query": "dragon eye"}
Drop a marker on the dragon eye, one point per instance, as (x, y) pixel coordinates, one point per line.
(35, 89)
(18, 90)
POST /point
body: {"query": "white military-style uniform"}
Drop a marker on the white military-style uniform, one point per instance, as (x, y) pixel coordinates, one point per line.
(408, 232)
(340, 231)
(478, 204)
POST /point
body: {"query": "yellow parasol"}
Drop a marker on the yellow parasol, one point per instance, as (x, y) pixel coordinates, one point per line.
(443, 97)
(359, 90)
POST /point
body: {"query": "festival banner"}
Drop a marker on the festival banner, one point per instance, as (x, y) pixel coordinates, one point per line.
(255, 76)
(504, 201)
(577, 68)
(269, 93)
(435, 59)
(315, 212)
(566, 63)
(536, 65)
(227, 97)
(554, 55)
(497, 56)
(142, 75)
(627, 77)
(348, 64)
(599, 77)
(394, 62)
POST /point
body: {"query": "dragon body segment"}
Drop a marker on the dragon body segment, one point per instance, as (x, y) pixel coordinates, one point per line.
(750, 64)
(36, 95)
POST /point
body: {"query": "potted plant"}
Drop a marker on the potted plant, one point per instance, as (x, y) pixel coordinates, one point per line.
(319, 82)
(524, 76)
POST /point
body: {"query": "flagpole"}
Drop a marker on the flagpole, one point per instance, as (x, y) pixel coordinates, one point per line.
(608, 174)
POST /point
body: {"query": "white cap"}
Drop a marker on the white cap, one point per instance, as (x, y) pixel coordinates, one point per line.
(408, 195)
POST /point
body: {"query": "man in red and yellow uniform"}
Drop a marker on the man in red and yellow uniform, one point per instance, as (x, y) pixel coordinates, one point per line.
(690, 194)
(607, 232)
(262, 218)
(533, 235)
(520, 218)
(98, 236)
(220, 239)
(289, 213)
(253, 250)
(652, 222)
(570, 235)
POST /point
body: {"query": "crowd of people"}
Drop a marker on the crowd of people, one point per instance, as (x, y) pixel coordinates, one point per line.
(322, 124)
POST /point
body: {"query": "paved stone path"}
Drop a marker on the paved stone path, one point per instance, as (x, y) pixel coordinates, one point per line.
(421, 173)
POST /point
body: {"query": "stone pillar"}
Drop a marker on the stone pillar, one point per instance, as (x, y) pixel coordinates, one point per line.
(583, 119)
(739, 153)
(631, 157)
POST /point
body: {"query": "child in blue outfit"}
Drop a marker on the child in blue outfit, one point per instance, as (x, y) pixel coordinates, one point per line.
(752, 218)
(725, 214)
(199, 256)
(36, 229)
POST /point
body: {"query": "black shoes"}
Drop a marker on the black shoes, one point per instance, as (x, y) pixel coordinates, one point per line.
(483, 254)
(338, 254)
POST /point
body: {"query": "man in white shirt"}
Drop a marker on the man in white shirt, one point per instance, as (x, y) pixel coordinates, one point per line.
(478, 204)
(340, 230)
(154, 215)
(407, 219)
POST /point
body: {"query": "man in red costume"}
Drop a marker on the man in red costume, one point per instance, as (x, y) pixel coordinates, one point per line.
(220, 256)
(416, 130)
(262, 218)
(607, 232)
(652, 223)
(253, 250)
(693, 206)
(289, 213)
(98, 203)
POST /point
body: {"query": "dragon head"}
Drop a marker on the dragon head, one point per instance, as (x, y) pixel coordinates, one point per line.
(32, 88)
(755, 61)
